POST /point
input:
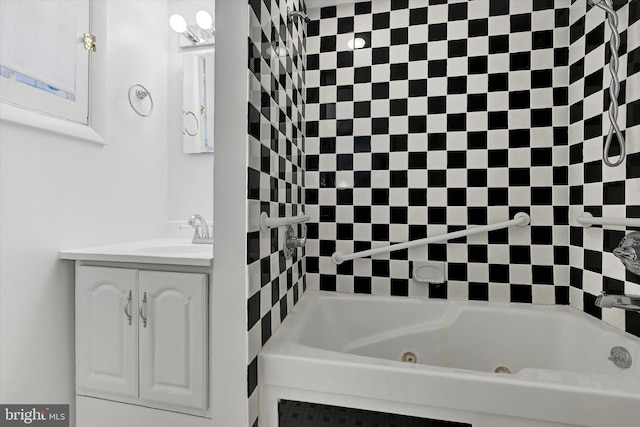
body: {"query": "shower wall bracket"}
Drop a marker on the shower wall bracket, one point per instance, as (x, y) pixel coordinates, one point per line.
(291, 241)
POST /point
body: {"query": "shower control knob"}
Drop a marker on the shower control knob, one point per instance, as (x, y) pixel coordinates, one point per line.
(628, 251)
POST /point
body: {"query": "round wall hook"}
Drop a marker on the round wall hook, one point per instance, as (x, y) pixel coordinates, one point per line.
(141, 93)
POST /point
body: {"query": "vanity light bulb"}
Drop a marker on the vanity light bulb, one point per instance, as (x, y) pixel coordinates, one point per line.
(204, 20)
(178, 23)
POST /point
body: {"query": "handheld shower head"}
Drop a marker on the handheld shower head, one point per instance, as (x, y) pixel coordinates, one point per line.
(296, 14)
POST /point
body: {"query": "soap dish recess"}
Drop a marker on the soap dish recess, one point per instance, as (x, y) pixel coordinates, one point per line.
(429, 271)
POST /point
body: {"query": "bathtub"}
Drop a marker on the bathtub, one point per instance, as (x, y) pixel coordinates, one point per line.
(488, 365)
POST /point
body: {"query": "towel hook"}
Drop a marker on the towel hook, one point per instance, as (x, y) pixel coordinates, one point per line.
(141, 93)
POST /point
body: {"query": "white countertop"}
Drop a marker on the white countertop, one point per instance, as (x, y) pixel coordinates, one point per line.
(159, 251)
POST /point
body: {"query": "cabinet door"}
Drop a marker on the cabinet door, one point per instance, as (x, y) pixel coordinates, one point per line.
(48, 71)
(106, 340)
(173, 340)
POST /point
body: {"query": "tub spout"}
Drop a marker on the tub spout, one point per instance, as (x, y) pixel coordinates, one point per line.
(625, 302)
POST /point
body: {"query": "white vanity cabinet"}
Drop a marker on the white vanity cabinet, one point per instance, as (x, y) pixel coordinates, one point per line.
(106, 340)
(142, 337)
(172, 338)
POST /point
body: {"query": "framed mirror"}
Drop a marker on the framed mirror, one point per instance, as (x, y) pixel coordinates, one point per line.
(197, 102)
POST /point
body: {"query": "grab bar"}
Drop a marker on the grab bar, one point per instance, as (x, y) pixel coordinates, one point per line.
(520, 219)
(587, 220)
(266, 223)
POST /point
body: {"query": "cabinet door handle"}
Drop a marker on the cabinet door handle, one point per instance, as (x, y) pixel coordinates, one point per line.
(127, 308)
(142, 309)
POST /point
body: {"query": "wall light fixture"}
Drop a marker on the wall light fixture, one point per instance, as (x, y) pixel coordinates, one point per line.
(202, 33)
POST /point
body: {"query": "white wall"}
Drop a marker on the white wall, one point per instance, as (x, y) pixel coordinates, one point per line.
(228, 317)
(62, 193)
(190, 175)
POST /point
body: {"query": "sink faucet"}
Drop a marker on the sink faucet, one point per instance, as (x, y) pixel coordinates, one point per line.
(625, 302)
(200, 229)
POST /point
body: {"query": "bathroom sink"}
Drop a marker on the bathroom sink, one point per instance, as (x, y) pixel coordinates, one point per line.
(177, 249)
(159, 251)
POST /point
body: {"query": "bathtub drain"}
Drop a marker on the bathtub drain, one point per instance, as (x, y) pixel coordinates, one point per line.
(409, 357)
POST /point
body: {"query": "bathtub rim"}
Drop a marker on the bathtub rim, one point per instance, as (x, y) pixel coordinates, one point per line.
(284, 362)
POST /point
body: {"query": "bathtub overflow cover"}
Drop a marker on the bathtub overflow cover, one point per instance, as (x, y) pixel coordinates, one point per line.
(409, 357)
(502, 370)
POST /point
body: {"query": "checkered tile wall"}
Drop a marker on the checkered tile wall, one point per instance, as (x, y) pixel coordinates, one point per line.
(303, 414)
(276, 88)
(594, 188)
(454, 113)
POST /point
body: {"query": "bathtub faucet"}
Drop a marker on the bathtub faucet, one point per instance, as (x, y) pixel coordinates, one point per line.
(291, 242)
(625, 302)
(628, 251)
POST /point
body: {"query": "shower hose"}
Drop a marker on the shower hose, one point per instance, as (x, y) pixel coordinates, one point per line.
(614, 87)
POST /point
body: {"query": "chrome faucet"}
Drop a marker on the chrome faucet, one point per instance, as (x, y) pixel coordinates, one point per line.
(291, 242)
(625, 302)
(200, 229)
(627, 252)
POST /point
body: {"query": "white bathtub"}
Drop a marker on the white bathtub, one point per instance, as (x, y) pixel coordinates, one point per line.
(345, 350)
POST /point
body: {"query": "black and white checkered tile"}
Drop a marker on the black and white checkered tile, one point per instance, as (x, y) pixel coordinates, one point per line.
(594, 188)
(454, 113)
(303, 414)
(276, 88)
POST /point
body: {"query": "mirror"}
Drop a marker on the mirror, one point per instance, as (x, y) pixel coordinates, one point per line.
(197, 102)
